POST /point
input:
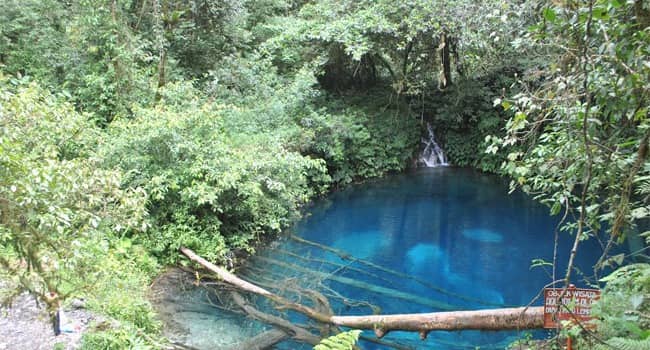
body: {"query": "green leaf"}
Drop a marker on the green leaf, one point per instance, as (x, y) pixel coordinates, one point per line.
(600, 13)
(549, 14)
(540, 263)
(615, 3)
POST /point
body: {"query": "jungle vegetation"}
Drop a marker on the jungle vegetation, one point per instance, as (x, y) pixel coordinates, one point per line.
(130, 128)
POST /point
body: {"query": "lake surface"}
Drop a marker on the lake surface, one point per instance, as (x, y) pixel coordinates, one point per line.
(430, 240)
(466, 242)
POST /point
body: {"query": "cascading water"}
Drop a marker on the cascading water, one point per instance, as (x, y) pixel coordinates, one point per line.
(432, 155)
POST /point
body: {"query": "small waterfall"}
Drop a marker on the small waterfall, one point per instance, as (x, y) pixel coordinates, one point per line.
(432, 155)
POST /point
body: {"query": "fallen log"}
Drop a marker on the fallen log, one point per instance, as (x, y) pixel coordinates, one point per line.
(264, 340)
(347, 256)
(389, 292)
(298, 333)
(491, 319)
(224, 275)
(485, 320)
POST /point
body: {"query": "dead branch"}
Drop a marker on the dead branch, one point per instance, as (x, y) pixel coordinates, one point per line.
(495, 319)
(347, 256)
(264, 340)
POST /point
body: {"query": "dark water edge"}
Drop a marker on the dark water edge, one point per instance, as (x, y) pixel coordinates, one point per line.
(466, 242)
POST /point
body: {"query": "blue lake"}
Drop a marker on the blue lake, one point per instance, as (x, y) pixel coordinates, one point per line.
(429, 240)
(465, 241)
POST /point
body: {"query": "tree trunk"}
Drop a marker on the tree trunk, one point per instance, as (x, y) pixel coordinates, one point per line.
(224, 275)
(494, 319)
(298, 333)
(161, 68)
(262, 341)
(445, 63)
(485, 320)
(642, 14)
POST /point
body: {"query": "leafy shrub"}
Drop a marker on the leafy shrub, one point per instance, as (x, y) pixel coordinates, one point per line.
(341, 341)
(63, 217)
(359, 141)
(209, 190)
(624, 304)
(116, 339)
(464, 115)
(58, 209)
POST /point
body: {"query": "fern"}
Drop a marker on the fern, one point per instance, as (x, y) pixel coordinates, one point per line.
(341, 341)
(624, 344)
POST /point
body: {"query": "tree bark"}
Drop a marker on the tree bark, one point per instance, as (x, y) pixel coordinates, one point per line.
(486, 320)
(298, 333)
(493, 319)
(445, 63)
(262, 341)
(225, 275)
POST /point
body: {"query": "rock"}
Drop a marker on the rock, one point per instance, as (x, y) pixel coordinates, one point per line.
(26, 325)
(78, 303)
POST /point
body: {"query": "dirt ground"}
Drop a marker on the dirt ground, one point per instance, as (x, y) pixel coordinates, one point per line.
(26, 325)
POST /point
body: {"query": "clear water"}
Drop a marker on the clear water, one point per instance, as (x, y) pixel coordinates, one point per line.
(464, 241)
(456, 230)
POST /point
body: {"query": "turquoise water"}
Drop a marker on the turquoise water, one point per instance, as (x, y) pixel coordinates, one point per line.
(466, 243)
(430, 240)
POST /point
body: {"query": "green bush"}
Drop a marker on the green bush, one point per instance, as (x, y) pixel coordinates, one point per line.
(116, 339)
(358, 140)
(464, 115)
(63, 219)
(211, 190)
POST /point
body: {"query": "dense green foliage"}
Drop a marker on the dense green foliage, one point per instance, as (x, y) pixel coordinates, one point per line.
(160, 133)
(209, 189)
(64, 218)
(129, 128)
(582, 125)
(623, 308)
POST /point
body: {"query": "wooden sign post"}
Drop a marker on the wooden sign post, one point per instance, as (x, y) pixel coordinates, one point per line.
(570, 304)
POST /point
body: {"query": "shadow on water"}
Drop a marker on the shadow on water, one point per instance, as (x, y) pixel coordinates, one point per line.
(430, 240)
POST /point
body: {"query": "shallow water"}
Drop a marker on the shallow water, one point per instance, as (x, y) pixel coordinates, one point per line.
(464, 241)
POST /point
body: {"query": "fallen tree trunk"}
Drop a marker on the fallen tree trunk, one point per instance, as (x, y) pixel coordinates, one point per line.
(224, 275)
(486, 320)
(298, 333)
(491, 319)
(262, 341)
(390, 292)
(347, 256)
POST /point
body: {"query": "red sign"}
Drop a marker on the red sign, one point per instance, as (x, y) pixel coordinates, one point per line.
(572, 304)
